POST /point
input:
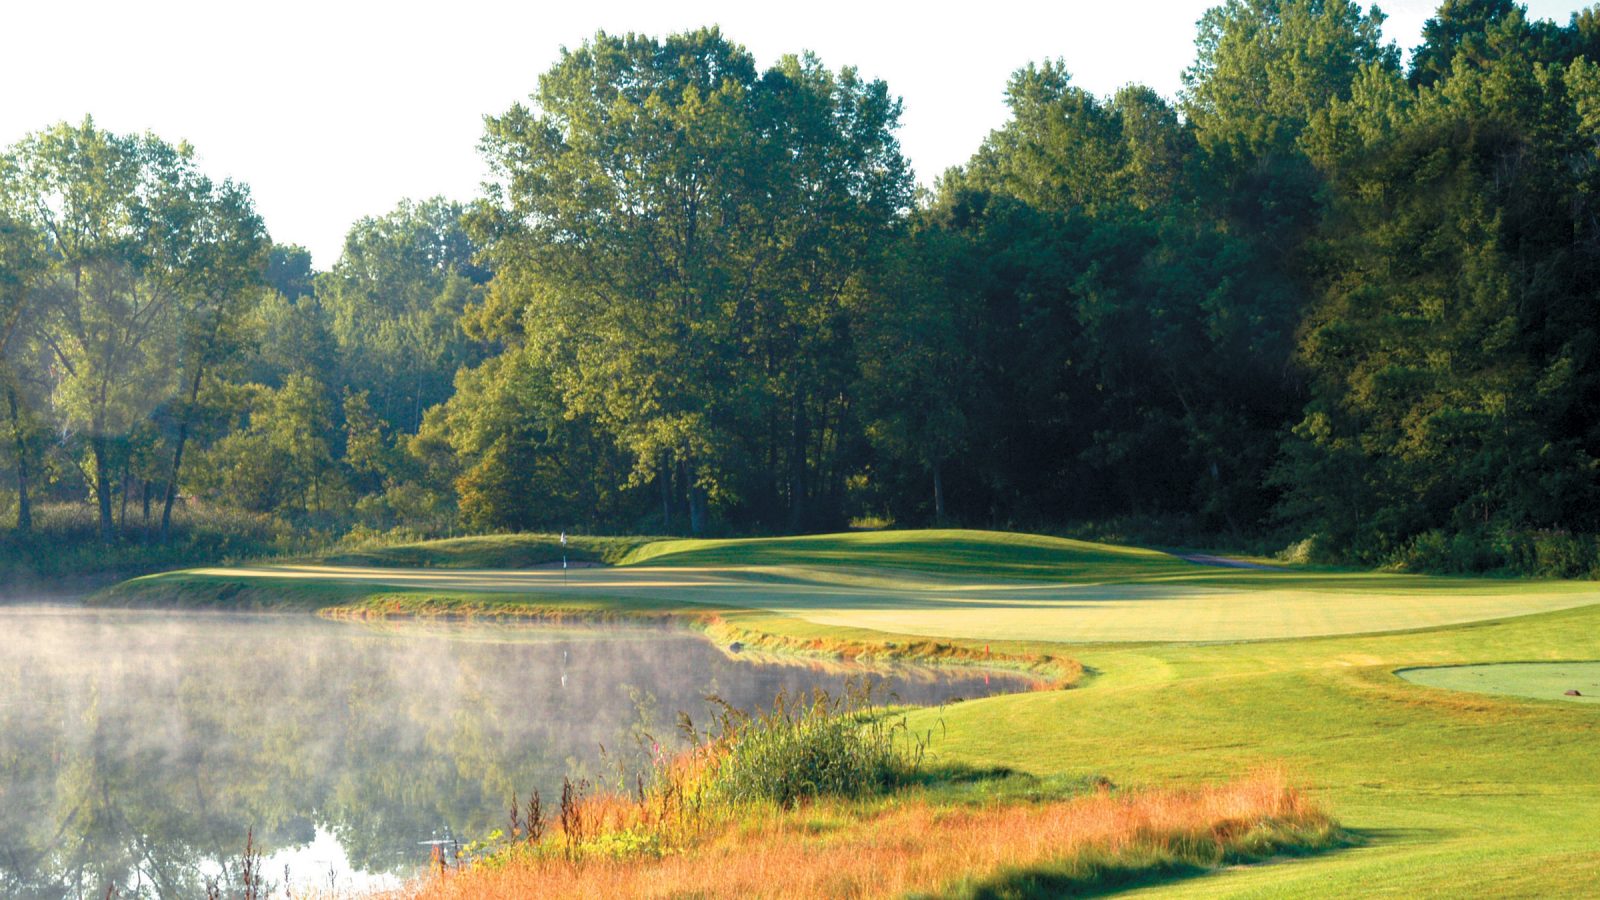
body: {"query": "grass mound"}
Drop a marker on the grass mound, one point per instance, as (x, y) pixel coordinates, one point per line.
(986, 554)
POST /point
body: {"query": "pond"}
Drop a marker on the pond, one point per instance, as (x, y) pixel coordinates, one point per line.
(141, 749)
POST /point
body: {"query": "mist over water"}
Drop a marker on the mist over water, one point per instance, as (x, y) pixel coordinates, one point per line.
(138, 748)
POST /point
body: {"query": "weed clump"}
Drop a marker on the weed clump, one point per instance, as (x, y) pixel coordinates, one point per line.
(740, 768)
(807, 746)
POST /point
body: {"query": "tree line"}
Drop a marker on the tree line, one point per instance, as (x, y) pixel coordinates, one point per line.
(1326, 293)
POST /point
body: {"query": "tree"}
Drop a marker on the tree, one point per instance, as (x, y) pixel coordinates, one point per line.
(1452, 352)
(283, 460)
(128, 227)
(393, 301)
(1462, 28)
(1263, 69)
(21, 260)
(918, 371)
(227, 253)
(677, 241)
(289, 271)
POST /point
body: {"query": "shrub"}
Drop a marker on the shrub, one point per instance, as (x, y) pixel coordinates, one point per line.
(1544, 554)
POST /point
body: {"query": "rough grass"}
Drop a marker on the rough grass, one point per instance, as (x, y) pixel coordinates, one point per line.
(914, 846)
(64, 553)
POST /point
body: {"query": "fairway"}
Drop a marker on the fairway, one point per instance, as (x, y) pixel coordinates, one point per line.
(983, 586)
(1540, 681)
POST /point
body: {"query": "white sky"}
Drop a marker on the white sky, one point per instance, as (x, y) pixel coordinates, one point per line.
(332, 109)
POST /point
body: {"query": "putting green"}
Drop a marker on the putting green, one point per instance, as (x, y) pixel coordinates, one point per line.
(987, 586)
(1541, 680)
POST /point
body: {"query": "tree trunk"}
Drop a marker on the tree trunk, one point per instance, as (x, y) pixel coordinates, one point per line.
(102, 486)
(122, 484)
(24, 506)
(177, 455)
(666, 494)
(697, 510)
(938, 494)
(696, 498)
(798, 490)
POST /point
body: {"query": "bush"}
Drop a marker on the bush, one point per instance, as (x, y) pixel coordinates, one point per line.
(1542, 554)
(64, 545)
(1562, 555)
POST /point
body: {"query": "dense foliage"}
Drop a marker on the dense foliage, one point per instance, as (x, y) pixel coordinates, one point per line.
(1324, 295)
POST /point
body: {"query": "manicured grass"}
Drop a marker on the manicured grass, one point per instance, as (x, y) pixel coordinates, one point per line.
(1452, 793)
(971, 554)
(980, 586)
(1456, 794)
(1539, 681)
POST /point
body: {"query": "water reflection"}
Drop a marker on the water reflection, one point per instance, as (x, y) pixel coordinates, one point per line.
(137, 748)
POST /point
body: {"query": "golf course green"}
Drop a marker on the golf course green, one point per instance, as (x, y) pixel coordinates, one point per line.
(1576, 682)
(1197, 673)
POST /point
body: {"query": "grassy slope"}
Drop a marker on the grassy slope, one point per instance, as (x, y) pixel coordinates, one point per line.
(945, 585)
(1455, 793)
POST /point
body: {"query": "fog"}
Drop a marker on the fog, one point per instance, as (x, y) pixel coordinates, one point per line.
(137, 748)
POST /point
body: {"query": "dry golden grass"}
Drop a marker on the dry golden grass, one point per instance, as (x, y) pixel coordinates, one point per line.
(840, 849)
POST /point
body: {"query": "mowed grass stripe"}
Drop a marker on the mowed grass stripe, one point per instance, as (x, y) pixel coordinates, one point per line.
(966, 584)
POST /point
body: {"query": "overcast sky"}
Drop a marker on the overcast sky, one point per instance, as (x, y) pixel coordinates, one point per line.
(333, 110)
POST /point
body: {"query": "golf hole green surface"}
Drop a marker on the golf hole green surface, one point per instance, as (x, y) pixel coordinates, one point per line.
(1541, 680)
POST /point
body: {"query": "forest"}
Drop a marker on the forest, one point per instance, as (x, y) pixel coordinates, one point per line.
(1330, 300)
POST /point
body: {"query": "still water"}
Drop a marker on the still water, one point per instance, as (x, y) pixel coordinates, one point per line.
(138, 749)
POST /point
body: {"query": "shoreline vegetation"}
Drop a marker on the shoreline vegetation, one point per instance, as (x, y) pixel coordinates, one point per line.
(915, 843)
(834, 796)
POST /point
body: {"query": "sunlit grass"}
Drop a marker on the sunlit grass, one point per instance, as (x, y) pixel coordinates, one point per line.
(1453, 793)
(911, 845)
(951, 585)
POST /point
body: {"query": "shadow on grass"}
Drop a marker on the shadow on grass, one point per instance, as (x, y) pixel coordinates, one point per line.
(1100, 876)
(959, 784)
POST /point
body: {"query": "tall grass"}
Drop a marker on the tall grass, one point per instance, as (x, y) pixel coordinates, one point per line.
(837, 847)
(807, 746)
(65, 543)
